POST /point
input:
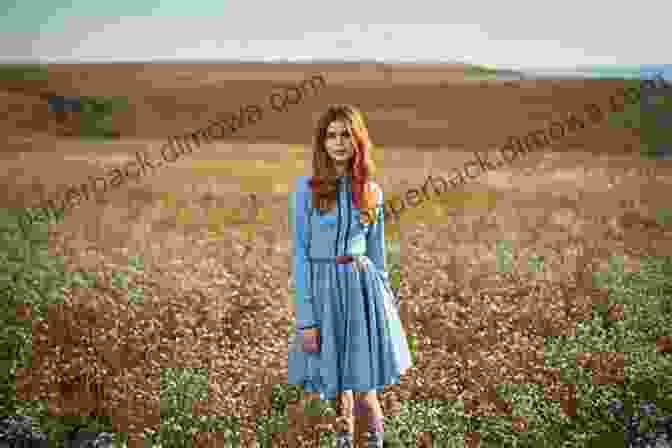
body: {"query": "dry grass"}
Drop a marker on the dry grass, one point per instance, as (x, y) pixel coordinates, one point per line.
(215, 279)
(222, 304)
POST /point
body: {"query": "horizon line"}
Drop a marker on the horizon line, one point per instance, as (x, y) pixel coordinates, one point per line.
(29, 60)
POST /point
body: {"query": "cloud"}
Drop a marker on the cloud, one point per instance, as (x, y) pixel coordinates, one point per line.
(509, 35)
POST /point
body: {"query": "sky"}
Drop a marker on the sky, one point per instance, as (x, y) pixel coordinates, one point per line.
(517, 34)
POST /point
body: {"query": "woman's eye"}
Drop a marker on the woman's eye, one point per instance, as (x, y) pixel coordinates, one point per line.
(334, 135)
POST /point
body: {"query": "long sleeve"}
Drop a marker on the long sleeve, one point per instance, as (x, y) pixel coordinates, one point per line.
(303, 300)
(375, 243)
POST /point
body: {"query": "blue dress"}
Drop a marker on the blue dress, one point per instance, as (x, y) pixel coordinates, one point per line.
(363, 346)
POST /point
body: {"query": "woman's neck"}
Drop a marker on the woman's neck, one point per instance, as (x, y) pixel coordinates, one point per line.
(341, 170)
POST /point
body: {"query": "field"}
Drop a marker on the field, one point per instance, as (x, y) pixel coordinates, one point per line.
(532, 296)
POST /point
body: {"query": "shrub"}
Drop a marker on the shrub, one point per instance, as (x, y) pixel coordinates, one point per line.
(97, 113)
(648, 118)
(20, 72)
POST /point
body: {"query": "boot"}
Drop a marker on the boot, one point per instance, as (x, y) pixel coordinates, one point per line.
(374, 440)
(344, 440)
(375, 432)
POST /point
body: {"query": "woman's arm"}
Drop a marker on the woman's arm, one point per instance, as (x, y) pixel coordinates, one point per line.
(375, 243)
(303, 300)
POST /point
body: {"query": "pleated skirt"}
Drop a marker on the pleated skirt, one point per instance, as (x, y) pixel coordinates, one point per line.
(363, 345)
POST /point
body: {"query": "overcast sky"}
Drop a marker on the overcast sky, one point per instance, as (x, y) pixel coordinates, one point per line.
(512, 34)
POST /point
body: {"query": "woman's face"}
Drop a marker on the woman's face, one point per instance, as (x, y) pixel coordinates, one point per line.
(338, 142)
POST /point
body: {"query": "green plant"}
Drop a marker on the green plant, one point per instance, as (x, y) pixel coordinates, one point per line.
(394, 256)
(395, 277)
(644, 119)
(479, 69)
(412, 345)
(30, 281)
(62, 428)
(120, 280)
(276, 421)
(93, 126)
(537, 263)
(96, 118)
(180, 388)
(103, 105)
(504, 254)
(30, 72)
(393, 250)
(664, 216)
(445, 420)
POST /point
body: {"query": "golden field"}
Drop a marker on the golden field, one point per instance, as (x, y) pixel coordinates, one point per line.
(589, 197)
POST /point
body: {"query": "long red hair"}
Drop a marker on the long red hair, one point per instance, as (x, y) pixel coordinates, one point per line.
(360, 167)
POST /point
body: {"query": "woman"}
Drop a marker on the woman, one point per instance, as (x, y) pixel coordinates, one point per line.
(348, 335)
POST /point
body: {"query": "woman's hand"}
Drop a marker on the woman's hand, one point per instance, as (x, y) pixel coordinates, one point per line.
(311, 340)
